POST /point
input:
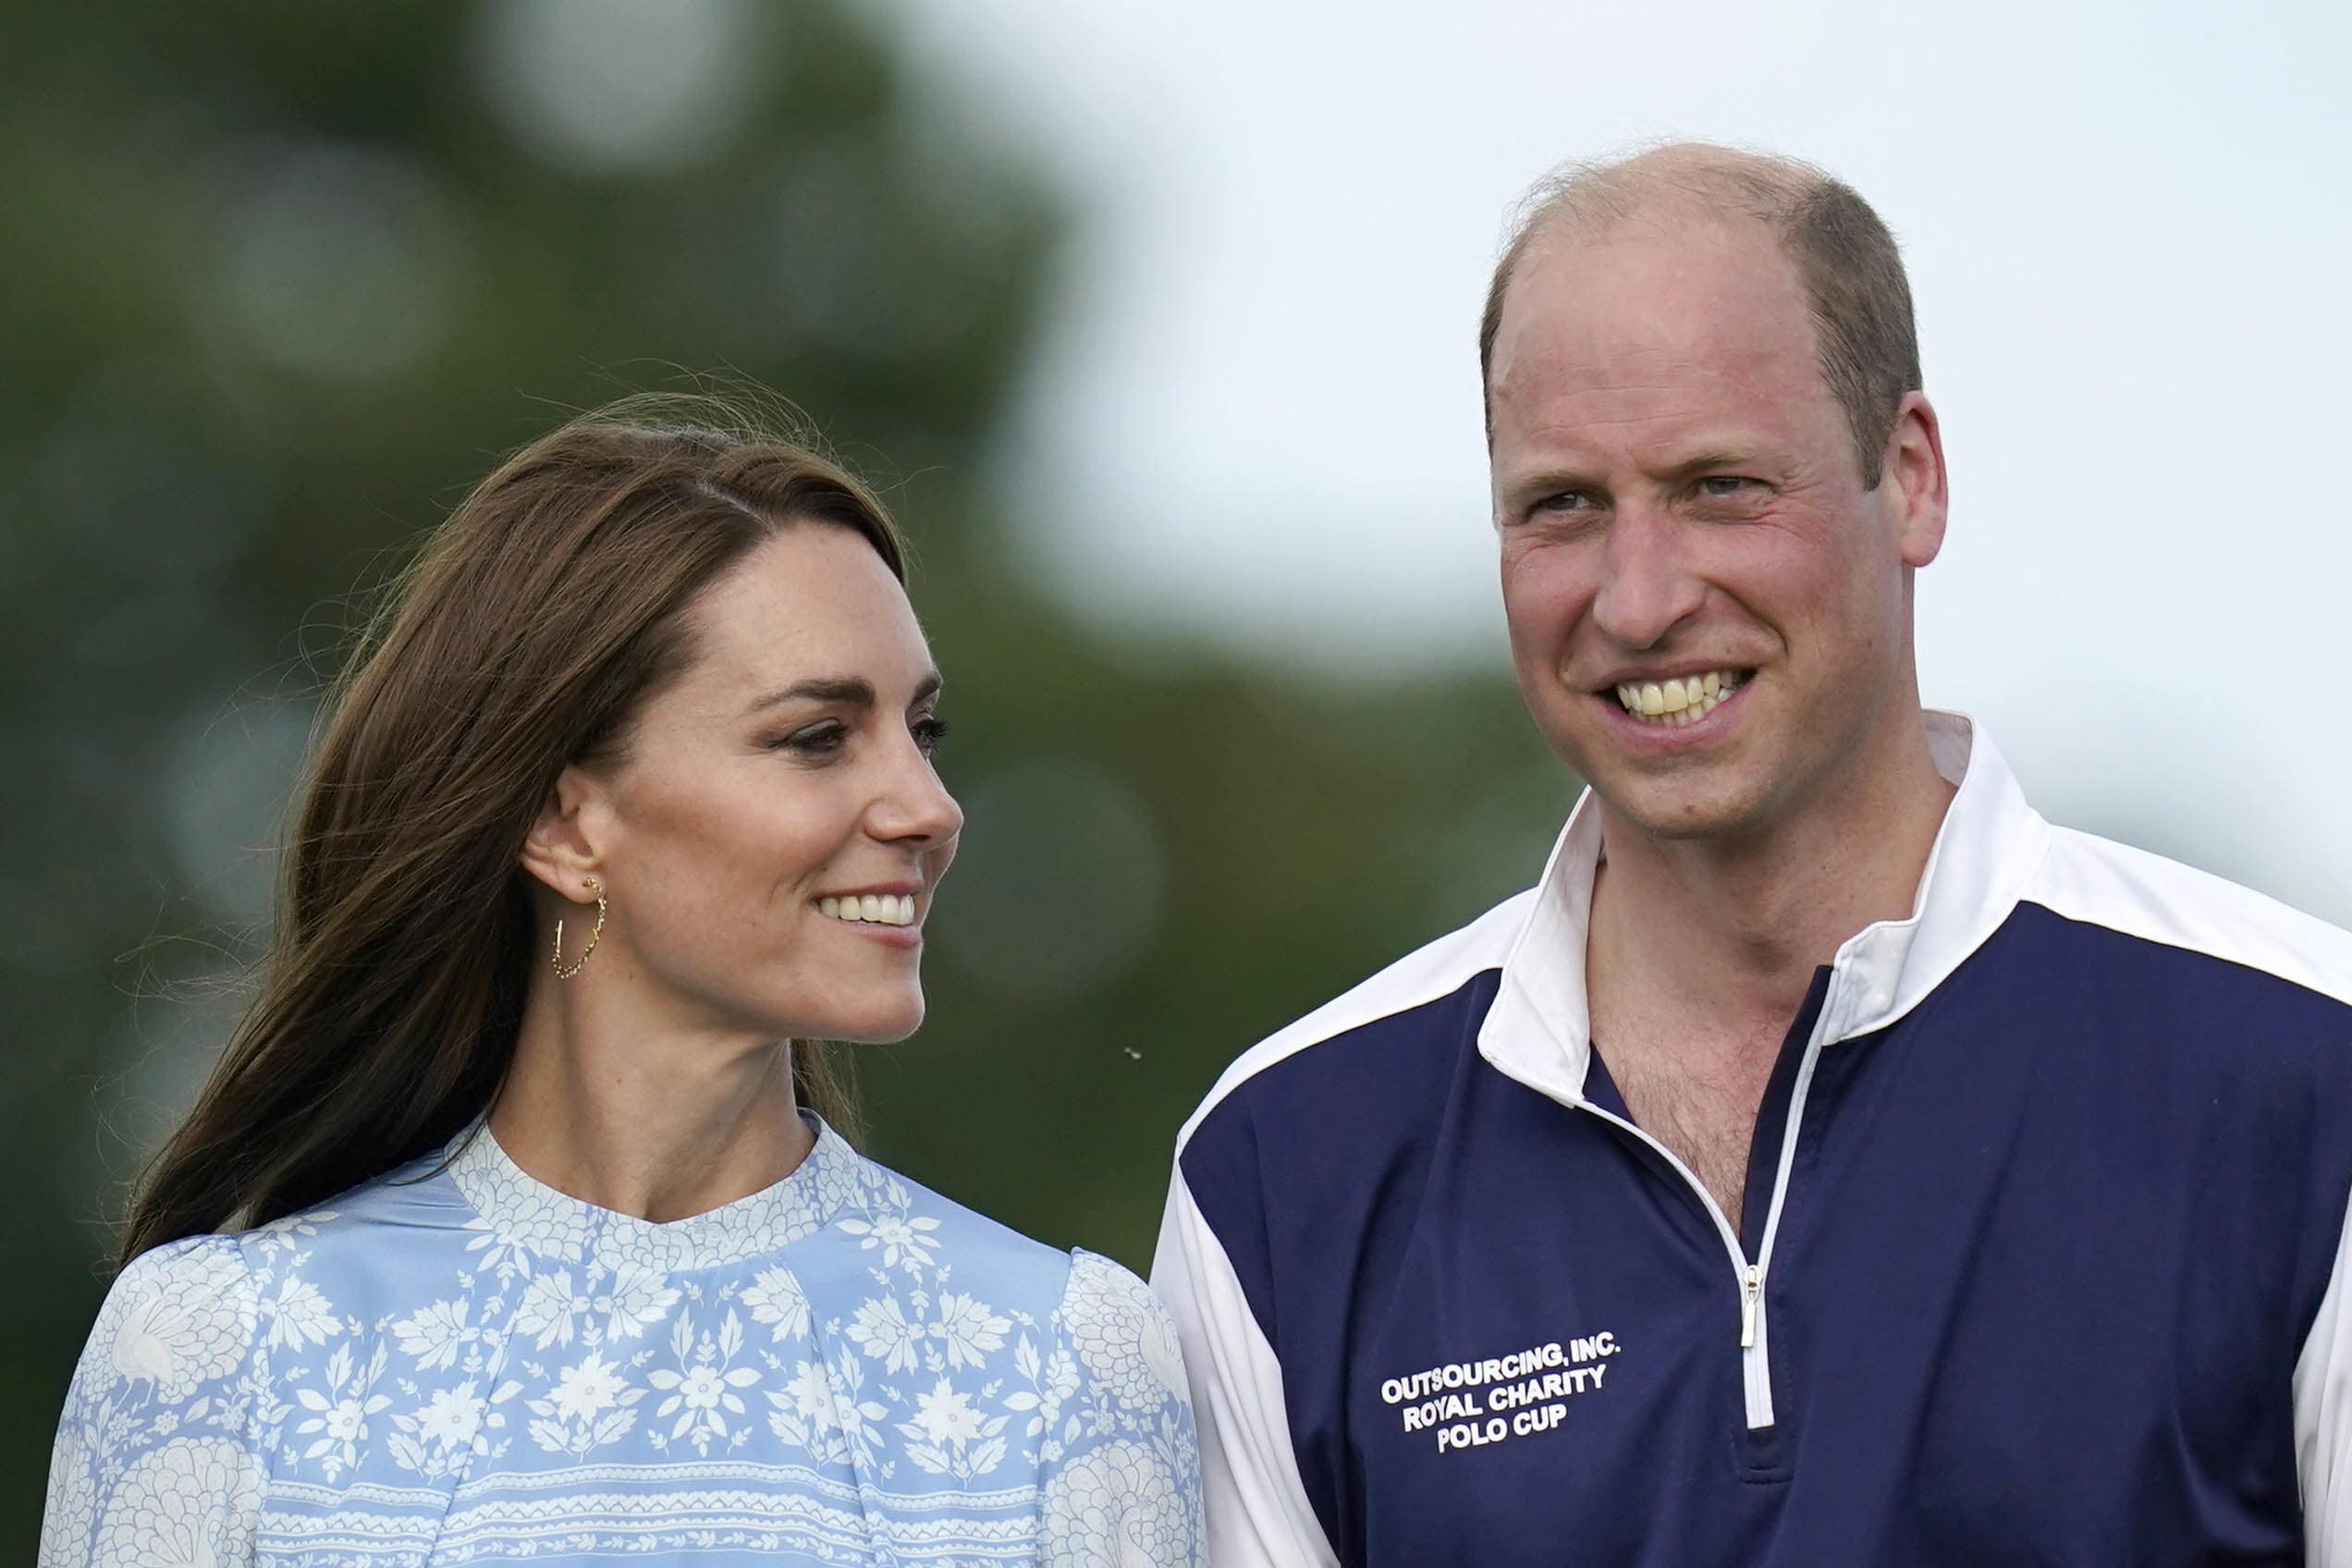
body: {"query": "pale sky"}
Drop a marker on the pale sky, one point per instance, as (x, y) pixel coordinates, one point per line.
(1256, 418)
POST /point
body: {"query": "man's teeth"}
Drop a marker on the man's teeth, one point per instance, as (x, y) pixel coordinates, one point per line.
(1684, 701)
(882, 909)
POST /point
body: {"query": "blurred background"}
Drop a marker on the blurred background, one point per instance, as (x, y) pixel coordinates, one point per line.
(1156, 324)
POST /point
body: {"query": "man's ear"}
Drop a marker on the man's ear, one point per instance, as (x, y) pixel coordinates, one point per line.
(1914, 480)
(565, 843)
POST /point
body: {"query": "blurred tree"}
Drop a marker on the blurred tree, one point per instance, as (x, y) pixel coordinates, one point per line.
(283, 278)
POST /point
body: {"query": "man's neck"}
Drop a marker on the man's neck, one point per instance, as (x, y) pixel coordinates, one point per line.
(1728, 932)
(1699, 952)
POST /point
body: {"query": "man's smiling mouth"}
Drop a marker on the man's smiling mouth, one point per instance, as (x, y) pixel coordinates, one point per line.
(1683, 700)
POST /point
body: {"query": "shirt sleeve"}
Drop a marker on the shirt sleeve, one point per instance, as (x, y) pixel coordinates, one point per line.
(1120, 1460)
(2323, 1420)
(1256, 1507)
(153, 1460)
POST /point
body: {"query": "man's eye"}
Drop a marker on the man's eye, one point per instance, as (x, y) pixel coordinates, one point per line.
(1726, 484)
(1565, 501)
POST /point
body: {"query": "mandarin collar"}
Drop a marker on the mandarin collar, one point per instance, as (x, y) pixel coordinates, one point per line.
(1539, 1031)
(519, 1212)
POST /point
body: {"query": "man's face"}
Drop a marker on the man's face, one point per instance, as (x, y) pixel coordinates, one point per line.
(1684, 527)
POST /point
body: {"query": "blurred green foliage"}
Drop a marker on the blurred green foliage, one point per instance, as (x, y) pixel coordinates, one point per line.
(282, 278)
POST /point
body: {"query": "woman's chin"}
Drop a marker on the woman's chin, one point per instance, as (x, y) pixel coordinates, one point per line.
(879, 1026)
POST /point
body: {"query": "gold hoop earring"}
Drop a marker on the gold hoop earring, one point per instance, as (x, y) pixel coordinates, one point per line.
(564, 972)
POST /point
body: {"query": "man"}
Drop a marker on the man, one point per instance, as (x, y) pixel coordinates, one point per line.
(1830, 1161)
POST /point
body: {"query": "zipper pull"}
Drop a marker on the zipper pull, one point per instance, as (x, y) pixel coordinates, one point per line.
(1751, 1293)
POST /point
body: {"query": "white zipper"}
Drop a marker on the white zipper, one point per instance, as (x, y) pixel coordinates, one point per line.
(1757, 1363)
(1755, 1327)
(1756, 1350)
(1755, 1371)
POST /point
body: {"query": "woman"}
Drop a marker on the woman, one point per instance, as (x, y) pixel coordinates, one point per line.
(552, 1244)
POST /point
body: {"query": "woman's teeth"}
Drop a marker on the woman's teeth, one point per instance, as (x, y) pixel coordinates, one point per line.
(1684, 701)
(881, 908)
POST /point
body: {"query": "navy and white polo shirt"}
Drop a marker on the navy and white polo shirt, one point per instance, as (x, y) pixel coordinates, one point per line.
(2044, 1257)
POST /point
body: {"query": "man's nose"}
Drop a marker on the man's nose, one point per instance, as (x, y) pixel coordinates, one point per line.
(1647, 587)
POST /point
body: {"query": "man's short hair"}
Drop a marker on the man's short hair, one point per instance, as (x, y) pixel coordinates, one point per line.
(1847, 261)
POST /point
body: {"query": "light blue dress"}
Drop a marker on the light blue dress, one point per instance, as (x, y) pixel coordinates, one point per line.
(467, 1366)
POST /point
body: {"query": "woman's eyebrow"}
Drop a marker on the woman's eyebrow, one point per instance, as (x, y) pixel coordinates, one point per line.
(852, 690)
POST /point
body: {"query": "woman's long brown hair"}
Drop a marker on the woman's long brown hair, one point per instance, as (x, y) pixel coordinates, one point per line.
(535, 623)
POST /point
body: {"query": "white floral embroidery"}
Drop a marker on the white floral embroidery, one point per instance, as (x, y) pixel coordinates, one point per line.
(945, 1415)
(452, 1418)
(587, 1389)
(841, 1368)
(453, 1425)
(858, 1416)
(190, 1503)
(702, 1390)
(340, 1424)
(181, 1325)
(1052, 1380)
(882, 1331)
(435, 1334)
(524, 1222)
(949, 1437)
(504, 1255)
(591, 1404)
(638, 1300)
(1117, 1507)
(548, 1309)
(553, 1309)
(904, 1241)
(1122, 1333)
(967, 1330)
(286, 1234)
(1164, 1355)
(299, 1313)
(805, 1411)
(72, 1506)
(776, 1298)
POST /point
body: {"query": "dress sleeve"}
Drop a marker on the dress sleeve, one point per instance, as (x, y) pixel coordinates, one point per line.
(1119, 1461)
(154, 1460)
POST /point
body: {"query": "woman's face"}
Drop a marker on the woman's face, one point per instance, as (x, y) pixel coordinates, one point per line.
(770, 840)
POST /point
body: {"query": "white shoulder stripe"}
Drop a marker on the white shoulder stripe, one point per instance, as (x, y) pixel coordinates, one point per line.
(2101, 883)
(1423, 975)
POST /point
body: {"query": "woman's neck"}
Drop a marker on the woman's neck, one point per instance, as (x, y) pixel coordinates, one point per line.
(640, 1116)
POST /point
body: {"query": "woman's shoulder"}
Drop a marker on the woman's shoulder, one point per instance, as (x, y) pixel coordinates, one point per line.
(900, 1214)
(1100, 1310)
(194, 1308)
(178, 1316)
(896, 1222)
(191, 1309)
(157, 1415)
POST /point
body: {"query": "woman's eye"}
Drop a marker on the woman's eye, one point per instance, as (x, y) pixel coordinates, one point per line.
(815, 741)
(929, 732)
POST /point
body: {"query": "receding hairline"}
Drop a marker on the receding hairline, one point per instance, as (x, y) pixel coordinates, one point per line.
(1678, 182)
(1692, 178)
(1841, 250)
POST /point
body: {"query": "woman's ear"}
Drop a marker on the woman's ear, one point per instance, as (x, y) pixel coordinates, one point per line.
(565, 843)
